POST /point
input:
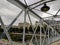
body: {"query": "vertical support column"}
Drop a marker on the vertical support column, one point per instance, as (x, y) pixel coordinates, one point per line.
(34, 30)
(40, 36)
(41, 23)
(24, 28)
(48, 33)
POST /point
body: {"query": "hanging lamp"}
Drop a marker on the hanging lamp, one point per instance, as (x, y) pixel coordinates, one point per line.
(45, 8)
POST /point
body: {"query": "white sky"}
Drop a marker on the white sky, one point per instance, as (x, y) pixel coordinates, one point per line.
(9, 11)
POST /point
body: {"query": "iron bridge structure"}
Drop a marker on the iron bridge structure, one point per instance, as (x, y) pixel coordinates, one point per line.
(50, 35)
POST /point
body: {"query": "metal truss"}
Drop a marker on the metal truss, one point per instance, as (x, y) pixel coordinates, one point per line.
(49, 32)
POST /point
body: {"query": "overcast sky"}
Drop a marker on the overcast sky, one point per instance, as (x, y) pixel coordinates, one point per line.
(9, 11)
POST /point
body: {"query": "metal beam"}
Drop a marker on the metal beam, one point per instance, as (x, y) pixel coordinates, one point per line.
(36, 3)
(42, 3)
(24, 28)
(19, 4)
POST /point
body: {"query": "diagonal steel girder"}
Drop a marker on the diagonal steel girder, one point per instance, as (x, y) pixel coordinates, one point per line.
(19, 4)
(6, 32)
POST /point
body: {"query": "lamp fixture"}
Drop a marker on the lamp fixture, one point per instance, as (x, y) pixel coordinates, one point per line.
(45, 8)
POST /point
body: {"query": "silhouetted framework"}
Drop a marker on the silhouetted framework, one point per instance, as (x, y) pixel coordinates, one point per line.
(38, 35)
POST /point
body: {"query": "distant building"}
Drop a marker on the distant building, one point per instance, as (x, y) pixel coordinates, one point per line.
(54, 24)
(14, 26)
(20, 25)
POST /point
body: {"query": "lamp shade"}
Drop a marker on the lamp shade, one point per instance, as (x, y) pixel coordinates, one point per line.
(45, 8)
